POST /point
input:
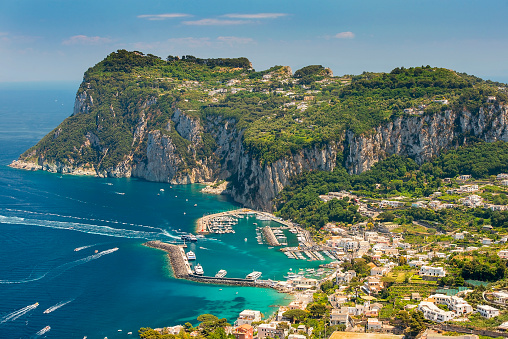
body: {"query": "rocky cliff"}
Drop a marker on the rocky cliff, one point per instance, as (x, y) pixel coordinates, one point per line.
(424, 137)
(141, 116)
(256, 185)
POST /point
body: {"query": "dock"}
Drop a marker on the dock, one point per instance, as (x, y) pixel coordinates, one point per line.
(182, 270)
(270, 237)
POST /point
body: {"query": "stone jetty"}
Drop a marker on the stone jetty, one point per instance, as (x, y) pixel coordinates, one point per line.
(177, 258)
(270, 237)
(182, 270)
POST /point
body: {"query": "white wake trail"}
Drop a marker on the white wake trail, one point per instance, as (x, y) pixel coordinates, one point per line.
(16, 314)
(62, 268)
(88, 228)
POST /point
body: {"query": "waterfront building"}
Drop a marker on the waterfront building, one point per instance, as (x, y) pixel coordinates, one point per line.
(487, 311)
(247, 317)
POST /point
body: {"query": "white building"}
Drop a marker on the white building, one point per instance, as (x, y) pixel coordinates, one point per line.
(247, 317)
(486, 241)
(434, 313)
(503, 254)
(500, 296)
(430, 271)
(338, 318)
(373, 324)
(271, 331)
(454, 303)
(487, 311)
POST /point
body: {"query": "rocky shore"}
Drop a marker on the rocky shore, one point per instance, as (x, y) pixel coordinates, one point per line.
(217, 188)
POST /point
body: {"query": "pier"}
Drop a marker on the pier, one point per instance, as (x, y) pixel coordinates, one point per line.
(182, 270)
(270, 237)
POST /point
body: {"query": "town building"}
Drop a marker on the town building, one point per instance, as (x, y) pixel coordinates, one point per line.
(429, 271)
(244, 331)
(338, 318)
(487, 311)
(373, 324)
(271, 330)
(247, 317)
(434, 313)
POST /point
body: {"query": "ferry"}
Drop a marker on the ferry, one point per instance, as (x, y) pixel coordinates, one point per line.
(198, 270)
(221, 274)
(253, 276)
(191, 255)
(189, 237)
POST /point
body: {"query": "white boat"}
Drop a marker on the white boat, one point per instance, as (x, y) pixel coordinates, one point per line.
(198, 269)
(189, 237)
(162, 190)
(253, 276)
(191, 255)
(44, 330)
(221, 274)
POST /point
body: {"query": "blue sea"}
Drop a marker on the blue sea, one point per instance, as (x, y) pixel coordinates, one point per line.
(96, 291)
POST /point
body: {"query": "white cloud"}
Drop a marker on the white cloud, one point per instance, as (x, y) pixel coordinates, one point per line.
(216, 22)
(232, 40)
(255, 16)
(191, 42)
(85, 40)
(163, 16)
(344, 35)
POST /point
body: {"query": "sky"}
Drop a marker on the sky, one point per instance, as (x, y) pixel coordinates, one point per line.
(58, 40)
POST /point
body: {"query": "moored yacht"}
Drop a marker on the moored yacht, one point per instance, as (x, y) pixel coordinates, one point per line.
(221, 274)
(198, 269)
(191, 255)
(253, 276)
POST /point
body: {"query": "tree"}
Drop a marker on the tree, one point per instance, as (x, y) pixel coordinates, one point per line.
(417, 322)
(327, 286)
(209, 323)
(316, 310)
(149, 333)
(298, 315)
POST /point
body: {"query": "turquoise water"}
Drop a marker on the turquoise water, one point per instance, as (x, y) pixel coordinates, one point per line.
(45, 216)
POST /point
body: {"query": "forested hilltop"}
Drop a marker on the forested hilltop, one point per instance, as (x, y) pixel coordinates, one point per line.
(189, 119)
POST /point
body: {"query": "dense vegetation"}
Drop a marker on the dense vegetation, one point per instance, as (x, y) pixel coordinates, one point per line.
(393, 176)
(279, 113)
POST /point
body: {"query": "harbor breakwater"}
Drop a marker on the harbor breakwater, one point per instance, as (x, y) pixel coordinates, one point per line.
(270, 237)
(182, 270)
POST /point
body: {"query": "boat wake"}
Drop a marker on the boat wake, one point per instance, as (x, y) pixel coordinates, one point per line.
(87, 219)
(62, 268)
(16, 314)
(57, 306)
(89, 228)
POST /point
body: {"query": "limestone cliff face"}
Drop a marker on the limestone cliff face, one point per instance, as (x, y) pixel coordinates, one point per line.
(174, 153)
(424, 137)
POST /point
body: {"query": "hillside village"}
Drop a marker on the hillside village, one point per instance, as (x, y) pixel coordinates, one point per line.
(397, 280)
